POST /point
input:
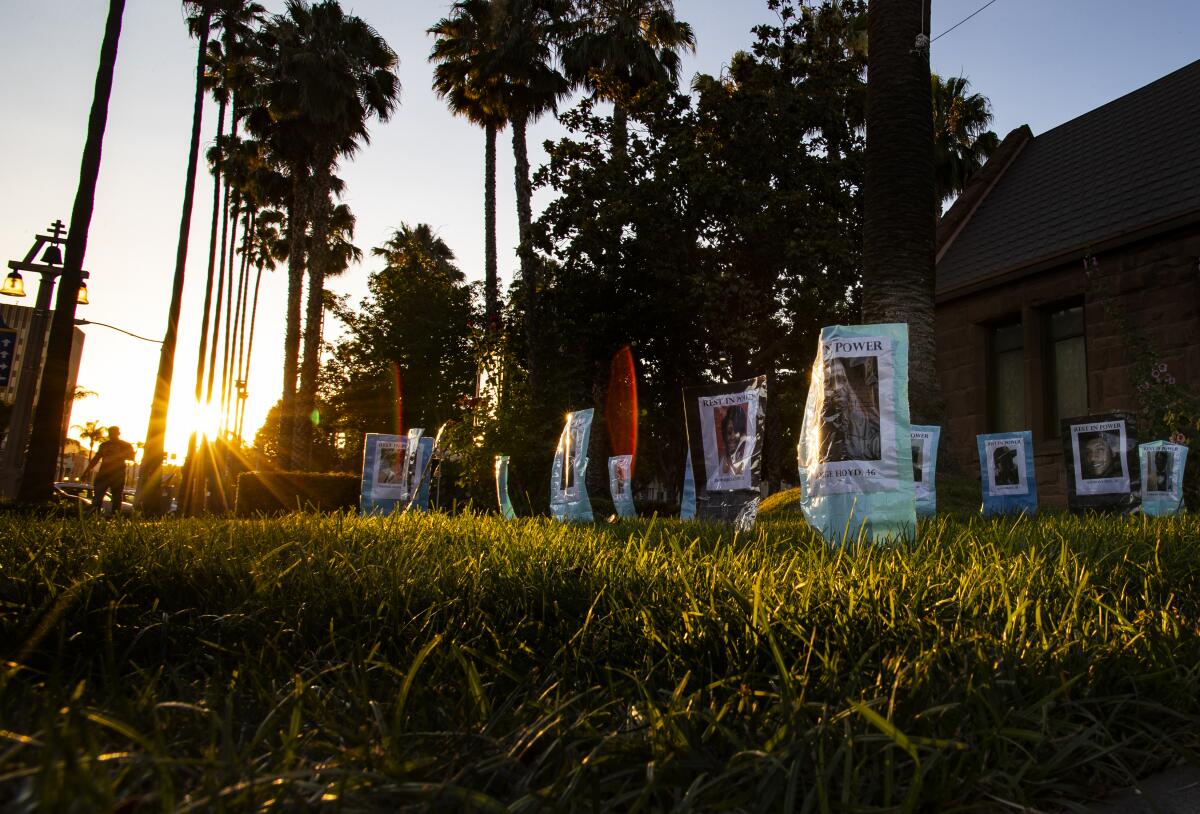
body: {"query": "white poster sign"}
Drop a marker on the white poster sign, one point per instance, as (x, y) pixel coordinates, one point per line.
(1100, 460)
(856, 413)
(727, 425)
(1006, 470)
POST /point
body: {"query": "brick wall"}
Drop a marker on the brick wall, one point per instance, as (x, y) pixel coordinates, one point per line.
(1157, 282)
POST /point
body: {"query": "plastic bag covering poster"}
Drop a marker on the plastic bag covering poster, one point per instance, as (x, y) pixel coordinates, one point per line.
(506, 508)
(620, 484)
(1006, 473)
(924, 464)
(568, 491)
(855, 451)
(420, 474)
(687, 503)
(725, 424)
(1162, 466)
(1100, 453)
(385, 477)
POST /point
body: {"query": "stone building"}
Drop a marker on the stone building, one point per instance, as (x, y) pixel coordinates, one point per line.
(1025, 335)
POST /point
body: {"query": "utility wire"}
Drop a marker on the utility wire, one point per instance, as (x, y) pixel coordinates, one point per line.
(115, 328)
(963, 20)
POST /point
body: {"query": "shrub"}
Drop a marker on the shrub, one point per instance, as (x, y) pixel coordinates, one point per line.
(278, 492)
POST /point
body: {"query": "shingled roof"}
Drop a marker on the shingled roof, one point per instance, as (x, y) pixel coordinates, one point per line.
(1124, 169)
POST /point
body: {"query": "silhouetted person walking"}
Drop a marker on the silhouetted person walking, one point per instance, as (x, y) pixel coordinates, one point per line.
(111, 456)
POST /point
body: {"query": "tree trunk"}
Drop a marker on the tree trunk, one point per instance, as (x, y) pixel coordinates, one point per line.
(297, 225)
(490, 285)
(620, 137)
(222, 264)
(226, 346)
(195, 467)
(898, 234)
(529, 270)
(250, 346)
(37, 483)
(318, 263)
(150, 485)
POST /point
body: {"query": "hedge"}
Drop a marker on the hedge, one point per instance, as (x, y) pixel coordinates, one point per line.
(278, 492)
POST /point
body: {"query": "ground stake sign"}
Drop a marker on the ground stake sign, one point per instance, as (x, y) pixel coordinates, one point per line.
(726, 426)
(855, 451)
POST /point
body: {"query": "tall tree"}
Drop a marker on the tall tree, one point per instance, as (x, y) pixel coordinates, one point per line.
(898, 221)
(415, 323)
(531, 86)
(325, 74)
(468, 74)
(623, 47)
(961, 140)
(37, 482)
(338, 252)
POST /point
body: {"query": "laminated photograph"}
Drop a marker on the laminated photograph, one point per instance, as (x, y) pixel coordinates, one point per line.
(725, 424)
(620, 484)
(924, 467)
(384, 483)
(568, 491)
(1006, 473)
(506, 509)
(1100, 453)
(1162, 468)
(856, 447)
(391, 468)
(687, 502)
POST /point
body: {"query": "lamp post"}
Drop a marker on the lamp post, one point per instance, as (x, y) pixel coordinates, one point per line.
(48, 268)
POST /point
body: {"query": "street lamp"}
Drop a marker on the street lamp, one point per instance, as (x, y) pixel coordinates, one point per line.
(48, 269)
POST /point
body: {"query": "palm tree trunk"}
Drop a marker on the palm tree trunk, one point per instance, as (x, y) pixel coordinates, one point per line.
(216, 327)
(250, 347)
(297, 226)
(226, 348)
(317, 266)
(491, 296)
(37, 483)
(529, 271)
(194, 467)
(150, 486)
(899, 224)
(620, 136)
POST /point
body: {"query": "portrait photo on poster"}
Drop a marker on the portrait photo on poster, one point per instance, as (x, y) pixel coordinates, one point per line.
(850, 421)
(619, 468)
(918, 459)
(727, 430)
(1006, 467)
(1160, 467)
(390, 469)
(856, 447)
(1100, 463)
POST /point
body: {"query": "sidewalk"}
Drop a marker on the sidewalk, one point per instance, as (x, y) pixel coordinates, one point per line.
(1175, 791)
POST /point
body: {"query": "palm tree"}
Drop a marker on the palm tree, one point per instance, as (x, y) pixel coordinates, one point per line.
(92, 432)
(267, 245)
(324, 74)
(467, 74)
(37, 482)
(339, 253)
(622, 47)
(961, 140)
(898, 222)
(531, 86)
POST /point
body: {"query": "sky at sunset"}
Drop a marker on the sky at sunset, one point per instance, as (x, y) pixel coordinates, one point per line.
(1041, 62)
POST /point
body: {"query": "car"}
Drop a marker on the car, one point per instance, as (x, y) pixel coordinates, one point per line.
(80, 492)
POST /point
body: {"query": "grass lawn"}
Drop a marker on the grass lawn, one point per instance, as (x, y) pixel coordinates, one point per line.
(464, 663)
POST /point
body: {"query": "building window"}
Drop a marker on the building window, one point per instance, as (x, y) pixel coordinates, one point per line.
(1067, 367)
(1008, 378)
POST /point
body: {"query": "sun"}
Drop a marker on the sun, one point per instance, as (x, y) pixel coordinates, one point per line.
(205, 420)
